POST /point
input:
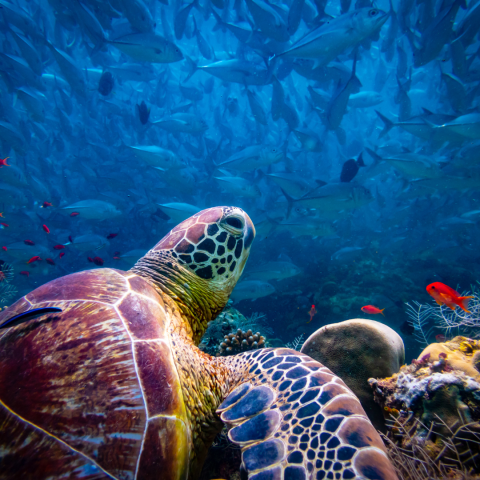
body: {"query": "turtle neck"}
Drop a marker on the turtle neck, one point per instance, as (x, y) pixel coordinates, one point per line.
(195, 298)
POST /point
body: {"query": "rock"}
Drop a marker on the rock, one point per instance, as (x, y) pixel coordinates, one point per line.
(357, 350)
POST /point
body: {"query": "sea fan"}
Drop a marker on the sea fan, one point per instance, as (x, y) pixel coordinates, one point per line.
(459, 319)
(297, 343)
(7, 292)
(420, 320)
(6, 273)
(425, 318)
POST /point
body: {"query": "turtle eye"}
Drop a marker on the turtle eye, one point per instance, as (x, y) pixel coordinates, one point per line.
(235, 222)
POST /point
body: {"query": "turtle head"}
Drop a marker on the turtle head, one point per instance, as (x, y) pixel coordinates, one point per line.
(200, 261)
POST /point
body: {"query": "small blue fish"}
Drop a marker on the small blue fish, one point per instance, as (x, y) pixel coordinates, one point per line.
(28, 315)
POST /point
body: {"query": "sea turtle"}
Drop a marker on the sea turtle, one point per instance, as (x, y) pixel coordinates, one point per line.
(113, 386)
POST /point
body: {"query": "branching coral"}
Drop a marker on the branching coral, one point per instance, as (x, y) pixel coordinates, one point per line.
(233, 333)
(241, 341)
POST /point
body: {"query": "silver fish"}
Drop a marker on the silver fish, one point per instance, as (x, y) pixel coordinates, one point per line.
(332, 38)
(148, 47)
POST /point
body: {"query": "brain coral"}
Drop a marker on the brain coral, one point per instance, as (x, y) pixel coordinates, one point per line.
(356, 350)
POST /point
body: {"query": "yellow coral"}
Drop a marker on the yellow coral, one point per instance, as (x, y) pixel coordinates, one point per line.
(460, 353)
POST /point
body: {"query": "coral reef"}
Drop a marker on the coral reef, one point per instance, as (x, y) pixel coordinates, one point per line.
(463, 354)
(231, 333)
(241, 341)
(356, 350)
(433, 409)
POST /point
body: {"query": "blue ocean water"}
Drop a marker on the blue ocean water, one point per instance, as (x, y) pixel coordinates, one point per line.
(348, 131)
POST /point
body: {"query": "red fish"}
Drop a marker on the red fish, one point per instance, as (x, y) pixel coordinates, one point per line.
(4, 248)
(3, 162)
(372, 310)
(440, 338)
(312, 313)
(58, 247)
(61, 254)
(98, 261)
(36, 258)
(444, 295)
(46, 204)
(28, 242)
(45, 229)
(27, 274)
(74, 214)
(90, 259)
(70, 239)
(4, 225)
(112, 235)
(50, 261)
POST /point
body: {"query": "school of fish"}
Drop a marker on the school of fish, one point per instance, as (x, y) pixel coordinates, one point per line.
(344, 128)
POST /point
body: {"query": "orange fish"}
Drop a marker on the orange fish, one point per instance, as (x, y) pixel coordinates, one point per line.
(3, 162)
(45, 228)
(74, 214)
(444, 295)
(36, 258)
(1, 215)
(312, 313)
(372, 310)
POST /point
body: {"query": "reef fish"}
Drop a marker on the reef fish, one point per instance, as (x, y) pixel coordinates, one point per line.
(444, 295)
(372, 310)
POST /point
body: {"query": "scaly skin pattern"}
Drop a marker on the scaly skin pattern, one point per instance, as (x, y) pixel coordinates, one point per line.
(295, 419)
(204, 384)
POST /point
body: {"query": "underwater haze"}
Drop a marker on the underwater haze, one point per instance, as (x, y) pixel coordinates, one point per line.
(348, 130)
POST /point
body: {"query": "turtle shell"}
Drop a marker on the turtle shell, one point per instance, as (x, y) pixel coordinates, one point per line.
(91, 392)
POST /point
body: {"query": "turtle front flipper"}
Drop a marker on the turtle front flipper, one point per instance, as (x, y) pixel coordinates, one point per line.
(295, 420)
